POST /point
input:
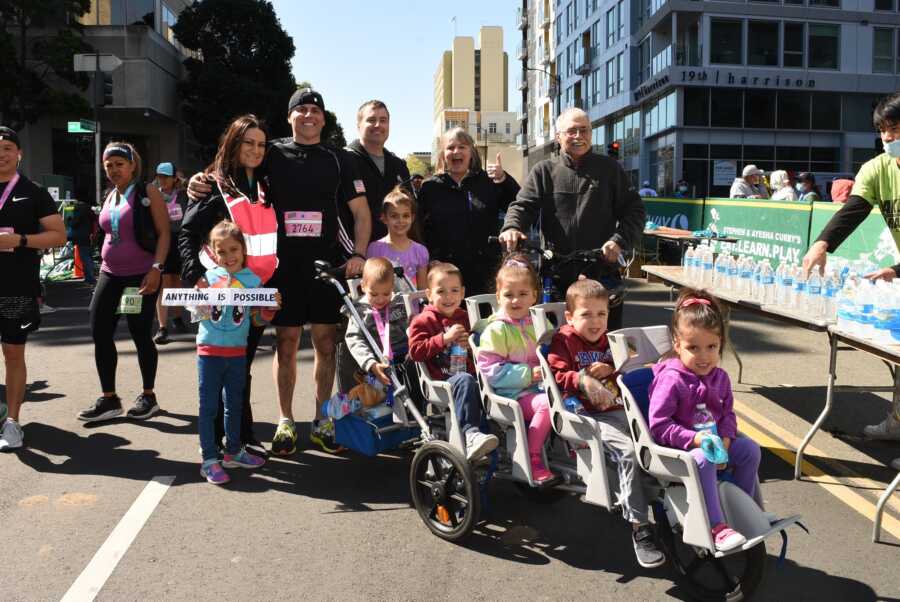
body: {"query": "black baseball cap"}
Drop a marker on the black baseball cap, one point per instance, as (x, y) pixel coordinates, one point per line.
(305, 96)
(9, 134)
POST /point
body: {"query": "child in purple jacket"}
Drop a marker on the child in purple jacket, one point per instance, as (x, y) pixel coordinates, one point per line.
(693, 377)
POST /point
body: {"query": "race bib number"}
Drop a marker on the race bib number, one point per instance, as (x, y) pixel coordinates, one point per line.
(175, 212)
(303, 223)
(131, 301)
(8, 231)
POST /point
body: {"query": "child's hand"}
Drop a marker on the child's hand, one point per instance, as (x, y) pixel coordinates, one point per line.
(454, 334)
(599, 370)
(536, 376)
(599, 396)
(380, 372)
(698, 438)
(277, 299)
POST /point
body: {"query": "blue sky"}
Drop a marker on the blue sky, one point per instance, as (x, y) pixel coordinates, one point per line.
(356, 50)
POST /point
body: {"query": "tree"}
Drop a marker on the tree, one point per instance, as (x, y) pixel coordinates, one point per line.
(245, 68)
(40, 37)
(333, 132)
(417, 165)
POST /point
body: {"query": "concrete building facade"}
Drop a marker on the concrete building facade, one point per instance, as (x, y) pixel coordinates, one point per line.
(537, 80)
(470, 91)
(696, 89)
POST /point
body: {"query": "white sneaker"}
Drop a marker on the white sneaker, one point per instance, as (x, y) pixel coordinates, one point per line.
(479, 444)
(12, 435)
(886, 430)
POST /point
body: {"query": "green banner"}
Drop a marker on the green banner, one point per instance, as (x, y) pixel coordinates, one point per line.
(774, 230)
(684, 214)
(871, 241)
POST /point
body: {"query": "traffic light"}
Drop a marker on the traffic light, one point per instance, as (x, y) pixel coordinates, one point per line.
(612, 150)
(107, 89)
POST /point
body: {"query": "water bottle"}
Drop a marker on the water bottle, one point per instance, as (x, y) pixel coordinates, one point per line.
(785, 289)
(703, 420)
(548, 290)
(687, 264)
(747, 268)
(721, 273)
(865, 310)
(884, 313)
(733, 274)
(458, 359)
(800, 297)
(755, 284)
(572, 403)
(830, 291)
(814, 294)
(707, 280)
(846, 305)
(339, 406)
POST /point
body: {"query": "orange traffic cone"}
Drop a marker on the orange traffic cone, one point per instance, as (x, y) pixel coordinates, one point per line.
(77, 269)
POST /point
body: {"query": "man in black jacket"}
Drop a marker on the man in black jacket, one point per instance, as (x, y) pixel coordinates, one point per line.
(379, 168)
(584, 201)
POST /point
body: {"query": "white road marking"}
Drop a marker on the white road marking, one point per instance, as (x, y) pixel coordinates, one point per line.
(94, 576)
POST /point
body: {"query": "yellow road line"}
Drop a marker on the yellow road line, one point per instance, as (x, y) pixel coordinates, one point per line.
(778, 440)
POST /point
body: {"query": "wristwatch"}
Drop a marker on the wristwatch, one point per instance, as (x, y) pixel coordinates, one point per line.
(157, 266)
(23, 241)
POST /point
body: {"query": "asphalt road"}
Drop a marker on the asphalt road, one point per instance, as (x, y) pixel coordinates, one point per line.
(325, 527)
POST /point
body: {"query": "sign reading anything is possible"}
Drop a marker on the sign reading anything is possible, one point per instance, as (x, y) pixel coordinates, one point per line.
(241, 297)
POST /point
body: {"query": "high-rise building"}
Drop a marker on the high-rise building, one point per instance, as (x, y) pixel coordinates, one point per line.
(537, 79)
(470, 91)
(697, 89)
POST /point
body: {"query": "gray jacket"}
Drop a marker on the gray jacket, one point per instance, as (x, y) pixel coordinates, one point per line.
(356, 340)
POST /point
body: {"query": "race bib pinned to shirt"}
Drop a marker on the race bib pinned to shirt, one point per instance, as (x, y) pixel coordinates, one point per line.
(307, 224)
(175, 211)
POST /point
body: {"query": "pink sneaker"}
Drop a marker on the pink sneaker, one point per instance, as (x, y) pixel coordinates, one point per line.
(214, 473)
(242, 459)
(727, 538)
(539, 472)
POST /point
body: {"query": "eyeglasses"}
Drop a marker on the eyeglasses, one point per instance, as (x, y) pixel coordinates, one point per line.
(572, 132)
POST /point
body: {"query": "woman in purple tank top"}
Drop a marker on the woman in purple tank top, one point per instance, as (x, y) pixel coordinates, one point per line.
(127, 265)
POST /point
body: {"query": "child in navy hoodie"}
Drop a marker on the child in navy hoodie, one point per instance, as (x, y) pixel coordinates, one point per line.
(442, 324)
(581, 363)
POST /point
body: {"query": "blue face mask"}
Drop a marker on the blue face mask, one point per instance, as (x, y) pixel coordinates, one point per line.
(892, 148)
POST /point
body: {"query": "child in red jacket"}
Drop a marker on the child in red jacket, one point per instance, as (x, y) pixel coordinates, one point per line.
(432, 333)
(581, 363)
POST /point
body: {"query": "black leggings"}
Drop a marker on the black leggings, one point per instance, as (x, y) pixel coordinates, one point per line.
(104, 318)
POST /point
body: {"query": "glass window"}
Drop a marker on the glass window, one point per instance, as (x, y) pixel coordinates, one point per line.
(826, 112)
(762, 115)
(762, 43)
(575, 16)
(611, 27)
(727, 108)
(793, 44)
(758, 153)
(824, 46)
(857, 112)
(597, 86)
(696, 174)
(861, 155)
(507, 128)
(724, 151)
(836, 3)
(793, 110)
(883, 51)
(726, 42)
(620, 17)
(620, 72)
(884, 4)
(696, 151)
(492, 127)
(611, 78)
(696, 106)
(597, 37)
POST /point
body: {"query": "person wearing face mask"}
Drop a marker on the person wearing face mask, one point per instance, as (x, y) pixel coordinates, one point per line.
(807, 188)
(585, 201)
(460, 208)
(682, 190)
(876, 185)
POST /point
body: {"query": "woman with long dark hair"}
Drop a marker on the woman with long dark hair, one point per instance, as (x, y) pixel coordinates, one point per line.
(237, 194)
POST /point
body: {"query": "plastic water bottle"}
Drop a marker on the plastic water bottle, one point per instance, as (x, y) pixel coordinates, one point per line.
(786, 286)
(846, 304)
(721, 273)
(747, 268)
(339, 406)
(733, 273)
(707, 280)
(687, 264)
(572, 403)
(884, 313)
(755, 285)
(800, 297)
(865, 310)
(766, 284)
(830, 292)
(458, 359)
(703, 420)
(548, 290)
(814, 294)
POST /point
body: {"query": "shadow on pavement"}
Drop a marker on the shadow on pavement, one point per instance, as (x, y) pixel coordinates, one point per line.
(32, 392)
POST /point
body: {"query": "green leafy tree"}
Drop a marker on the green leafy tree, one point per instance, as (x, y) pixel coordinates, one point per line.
(36, 48)
(245, 67)
(418, 165)
(333, 132)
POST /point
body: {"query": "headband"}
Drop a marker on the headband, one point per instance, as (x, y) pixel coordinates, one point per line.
(118, 151)
(694, 301)
(515, 263)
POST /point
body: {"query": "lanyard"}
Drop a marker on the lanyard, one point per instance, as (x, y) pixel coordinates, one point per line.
(383, 326)
(116, 209)
(8, 190)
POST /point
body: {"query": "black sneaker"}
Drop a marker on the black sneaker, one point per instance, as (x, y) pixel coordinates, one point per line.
(162, 337)
(180, 326)
(645, 550)
(144, 407)
(105, 408)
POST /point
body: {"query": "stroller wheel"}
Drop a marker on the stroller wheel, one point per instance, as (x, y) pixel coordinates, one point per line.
(730, 578)
(444, 491)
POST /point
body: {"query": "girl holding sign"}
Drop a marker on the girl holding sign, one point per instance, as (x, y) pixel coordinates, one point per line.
(129, 279)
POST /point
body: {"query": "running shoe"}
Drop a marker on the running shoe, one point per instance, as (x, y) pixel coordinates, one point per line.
(285, 441)
(144, 407)
(727, 538)
(242, 459)
(886, 430)
(322, 434)
(648, 555)
(479, 444)
(11, 436)
(162, 337)
(105, 408)
(539, 472)
(214, 473)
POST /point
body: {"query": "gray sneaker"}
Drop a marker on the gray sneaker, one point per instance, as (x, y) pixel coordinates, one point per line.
(12, 436)
(479, 444)
(886, 430)
(645, 551)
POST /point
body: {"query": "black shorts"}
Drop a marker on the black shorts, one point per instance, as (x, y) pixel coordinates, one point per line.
(172, 264)
(304, 299)
(19, 316)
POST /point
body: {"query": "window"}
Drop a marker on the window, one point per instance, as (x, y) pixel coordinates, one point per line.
(793, 110)
(168, 20)
(632, 126)
(727, 108)
(492, 127)
(824, 46)
(762, 43)
(883, 51)
(611, 27)
(598, 138)
(762, 115)
(696, 106)
(508, 129)
(726, 42)
(559, 36)
(620, 16)
(660, 115)
(826, 112)
(589, 7)
(793, 44)
(836, 3)
(884, 4)
(620, 71)
(123, 12)
(597, 36)
(597, 87)
(861, 155)
(611, 78)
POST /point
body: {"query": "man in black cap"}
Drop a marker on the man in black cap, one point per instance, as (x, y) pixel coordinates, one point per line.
(28, 222)
(309, 184)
